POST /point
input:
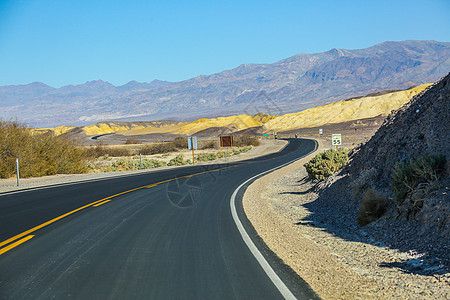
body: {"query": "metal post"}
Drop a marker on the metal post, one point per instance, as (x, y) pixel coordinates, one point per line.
(140, 161)
(17, 168)
(193, 156)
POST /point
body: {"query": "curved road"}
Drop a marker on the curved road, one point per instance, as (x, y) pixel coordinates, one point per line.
(168, 234)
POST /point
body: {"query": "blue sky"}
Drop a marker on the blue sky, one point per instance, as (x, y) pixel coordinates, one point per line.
(62, 42)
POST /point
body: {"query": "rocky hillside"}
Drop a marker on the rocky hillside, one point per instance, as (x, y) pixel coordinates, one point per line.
(420, 126)
(290, 85)
(417, 216)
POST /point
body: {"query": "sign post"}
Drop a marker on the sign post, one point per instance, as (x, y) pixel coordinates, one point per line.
(226, 141)
(192, 144)
(336, 140)
(17, 168)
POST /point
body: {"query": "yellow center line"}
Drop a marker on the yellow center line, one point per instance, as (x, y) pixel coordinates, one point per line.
(7, 248)
(100, 202)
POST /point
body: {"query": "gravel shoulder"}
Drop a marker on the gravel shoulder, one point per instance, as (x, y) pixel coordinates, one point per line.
(267, 146)
(337, 259)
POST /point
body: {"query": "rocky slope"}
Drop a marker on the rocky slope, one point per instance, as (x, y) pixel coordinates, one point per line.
(290, 85)
(420, 224)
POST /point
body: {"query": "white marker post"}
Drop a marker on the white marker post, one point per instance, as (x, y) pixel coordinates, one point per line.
(17, 169)
(140, 161)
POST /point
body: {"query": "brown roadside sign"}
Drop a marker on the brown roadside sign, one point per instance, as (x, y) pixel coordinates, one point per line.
(226, 141)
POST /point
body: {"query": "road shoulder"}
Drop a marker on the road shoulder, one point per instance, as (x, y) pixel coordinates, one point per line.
(335, 268)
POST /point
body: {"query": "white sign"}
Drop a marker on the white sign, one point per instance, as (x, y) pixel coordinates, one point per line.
(320, 131)
(192, 142)
(336, 139)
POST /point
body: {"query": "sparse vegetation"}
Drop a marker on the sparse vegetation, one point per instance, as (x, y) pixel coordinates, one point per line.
(181, 142)
(206, 156)
(158, 148)
(38, 154)
(209, 144)
(372, 207)
(103, 150)
(417, 177)
(178, 161)
(242, 150)
(245, 140)
(326, 163)
(132, 141)
(133, 164)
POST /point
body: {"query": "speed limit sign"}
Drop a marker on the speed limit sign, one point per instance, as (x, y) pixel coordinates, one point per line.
(336, 139)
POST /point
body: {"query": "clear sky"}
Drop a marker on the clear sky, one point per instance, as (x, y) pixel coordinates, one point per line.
(62, 42)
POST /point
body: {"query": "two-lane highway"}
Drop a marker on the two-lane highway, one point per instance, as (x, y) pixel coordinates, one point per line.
(168, 234)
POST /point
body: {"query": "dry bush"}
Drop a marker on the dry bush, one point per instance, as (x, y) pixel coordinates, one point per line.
(365, 180)
(102, 150)
(209, 144)
(245, 140)
(372, 207)
(181, 142)
(132, 141)
(38, 154)
(158, 148)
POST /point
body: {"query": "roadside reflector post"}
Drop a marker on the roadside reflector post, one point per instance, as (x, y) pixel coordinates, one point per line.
(140, 161)
(17, 169)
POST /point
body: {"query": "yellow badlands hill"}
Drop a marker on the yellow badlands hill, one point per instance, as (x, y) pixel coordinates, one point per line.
(337, 112)
(345, 110)
(236, 123)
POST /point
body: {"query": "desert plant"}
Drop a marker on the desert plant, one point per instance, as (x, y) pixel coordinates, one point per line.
(206, 156)
(242, 150)
(103, 150)
(39, 154)
(158, 148)
(177, 161)
(209, 144)
(418, 176)
(134, 164)
(326, 163)
(373, 206)
(181, 142)
(245, 140)
(132, 141)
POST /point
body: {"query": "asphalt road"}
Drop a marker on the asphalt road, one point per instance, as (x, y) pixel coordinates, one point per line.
(160, 235)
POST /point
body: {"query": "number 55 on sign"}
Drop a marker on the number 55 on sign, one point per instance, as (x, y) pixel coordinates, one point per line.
(336, 139)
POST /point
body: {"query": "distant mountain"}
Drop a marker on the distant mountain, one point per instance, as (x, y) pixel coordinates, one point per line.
(290, 85)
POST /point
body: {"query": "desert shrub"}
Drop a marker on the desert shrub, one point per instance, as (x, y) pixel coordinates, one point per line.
(326, 163)
(373, 206)
(209, 144)
(158, 148)
(245, 140)
(206, 156)
(181, 142)
(132, 141)
(38, 154)
(242, 150)
(365, 179)
(178, 161)
(103, 150)
(417, 174)
(134, 164)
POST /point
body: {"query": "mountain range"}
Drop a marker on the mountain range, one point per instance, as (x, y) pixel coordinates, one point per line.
(290, 85)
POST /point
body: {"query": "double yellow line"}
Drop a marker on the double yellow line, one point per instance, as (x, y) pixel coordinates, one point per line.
(25, 236)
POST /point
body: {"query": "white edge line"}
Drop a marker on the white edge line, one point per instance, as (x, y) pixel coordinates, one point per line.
(284, 290)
